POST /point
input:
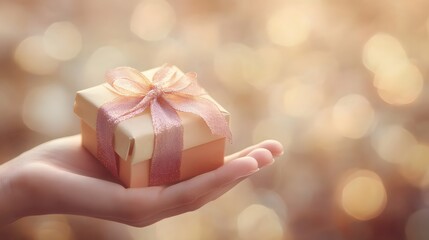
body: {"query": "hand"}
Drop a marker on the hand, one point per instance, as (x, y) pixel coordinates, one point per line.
(61, 177)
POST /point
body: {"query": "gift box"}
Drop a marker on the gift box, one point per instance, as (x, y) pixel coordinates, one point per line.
(136, 141)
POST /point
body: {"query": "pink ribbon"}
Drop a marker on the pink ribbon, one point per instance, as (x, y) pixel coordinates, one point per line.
(168, 92)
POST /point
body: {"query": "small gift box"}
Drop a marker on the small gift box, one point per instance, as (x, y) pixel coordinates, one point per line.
(156, 127)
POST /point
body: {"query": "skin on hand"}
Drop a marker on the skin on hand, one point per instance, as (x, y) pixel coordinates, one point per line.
(61, 177)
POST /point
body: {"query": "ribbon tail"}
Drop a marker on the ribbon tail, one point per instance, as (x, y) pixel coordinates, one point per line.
(108, 116)
(168, 146)
(206, 109)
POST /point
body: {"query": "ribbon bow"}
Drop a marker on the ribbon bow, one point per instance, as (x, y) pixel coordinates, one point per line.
(168, 92)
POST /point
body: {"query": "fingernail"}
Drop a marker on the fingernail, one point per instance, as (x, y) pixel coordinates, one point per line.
(279, 154)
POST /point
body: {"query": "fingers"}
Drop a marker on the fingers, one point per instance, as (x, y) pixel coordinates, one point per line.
(262, 156)
(194, 193)
(141, 206)
(273, 146)
(188, 191)
(191, 202)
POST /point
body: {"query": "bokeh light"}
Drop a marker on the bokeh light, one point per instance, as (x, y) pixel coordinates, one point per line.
(289, 26)
(31, 56)
(236, 65)
(303, 100)
(46, 110)
(416, 164)
(398, 84)
(54, 228)
(171, 229)
(321, 133)
(62, 41)
(393, 143)
(382, 49)
(353, 116)
(259, 222)
(152, 20)
(363, 196)
(101, 60)
(397, 80)
(202, 34)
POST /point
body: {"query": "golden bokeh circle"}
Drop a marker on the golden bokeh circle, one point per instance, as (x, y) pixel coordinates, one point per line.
(289, 26)
(398, 84)
(31, 56)
(259, 222)
(152, 20)
(382, 49)
(363, 195)
(353, 116)
(62, 41)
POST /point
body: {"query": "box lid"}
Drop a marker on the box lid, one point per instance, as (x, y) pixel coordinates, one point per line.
(134, 138)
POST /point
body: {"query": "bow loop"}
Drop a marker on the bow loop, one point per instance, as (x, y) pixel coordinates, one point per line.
(128, 82)
(165, 75)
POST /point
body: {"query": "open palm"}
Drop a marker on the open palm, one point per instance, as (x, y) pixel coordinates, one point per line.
(60, 176)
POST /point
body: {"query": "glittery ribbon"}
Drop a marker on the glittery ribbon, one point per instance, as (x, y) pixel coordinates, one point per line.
(169, 91)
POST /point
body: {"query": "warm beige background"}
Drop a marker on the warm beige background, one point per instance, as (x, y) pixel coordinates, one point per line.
(342, 84)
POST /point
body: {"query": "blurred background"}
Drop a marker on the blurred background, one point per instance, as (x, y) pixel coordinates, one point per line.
(342, 84)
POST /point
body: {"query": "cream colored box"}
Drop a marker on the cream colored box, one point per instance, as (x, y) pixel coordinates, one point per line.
(134, 138)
